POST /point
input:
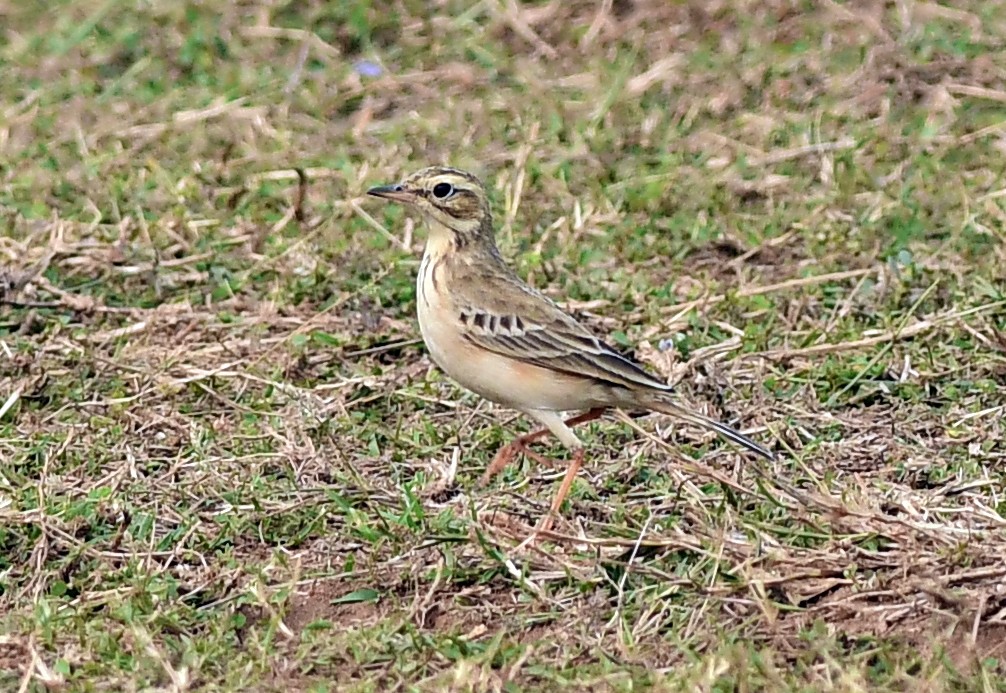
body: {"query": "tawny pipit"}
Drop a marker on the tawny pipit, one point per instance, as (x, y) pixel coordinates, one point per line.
(509, 343)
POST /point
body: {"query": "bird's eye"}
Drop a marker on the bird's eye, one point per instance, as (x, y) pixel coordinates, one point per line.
(442, 190)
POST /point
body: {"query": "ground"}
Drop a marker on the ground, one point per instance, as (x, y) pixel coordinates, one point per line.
(227, 463)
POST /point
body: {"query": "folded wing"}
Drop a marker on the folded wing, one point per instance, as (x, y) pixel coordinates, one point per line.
(554, 341)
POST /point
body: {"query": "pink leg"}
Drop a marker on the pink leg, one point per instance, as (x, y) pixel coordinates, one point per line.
(546, 522)
(506, 454)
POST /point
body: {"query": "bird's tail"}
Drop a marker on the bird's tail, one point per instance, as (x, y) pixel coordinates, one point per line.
(662, 403)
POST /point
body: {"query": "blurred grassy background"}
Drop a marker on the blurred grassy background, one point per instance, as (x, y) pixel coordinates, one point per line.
(227, 464)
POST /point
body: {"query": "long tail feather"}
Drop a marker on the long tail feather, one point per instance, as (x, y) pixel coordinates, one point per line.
(665, 406)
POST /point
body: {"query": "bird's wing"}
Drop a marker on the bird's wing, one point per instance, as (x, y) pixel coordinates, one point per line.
(516, 321)
(498, 312)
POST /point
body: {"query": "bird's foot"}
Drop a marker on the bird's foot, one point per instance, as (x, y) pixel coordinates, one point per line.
(504, 456)
(545, 523)
(509, 452)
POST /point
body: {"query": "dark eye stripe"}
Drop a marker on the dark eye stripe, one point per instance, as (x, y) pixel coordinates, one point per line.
(457, 208)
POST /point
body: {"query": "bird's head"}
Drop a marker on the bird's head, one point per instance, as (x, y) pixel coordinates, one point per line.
(453, 201)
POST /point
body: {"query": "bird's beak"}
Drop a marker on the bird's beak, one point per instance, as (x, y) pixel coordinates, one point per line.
(392, 192)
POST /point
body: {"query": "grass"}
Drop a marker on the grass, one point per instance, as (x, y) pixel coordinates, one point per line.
(226, 462)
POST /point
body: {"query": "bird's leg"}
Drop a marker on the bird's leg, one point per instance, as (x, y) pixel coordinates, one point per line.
(506, 454)
(545, 523)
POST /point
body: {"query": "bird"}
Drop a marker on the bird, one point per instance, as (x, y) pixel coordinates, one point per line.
(500, 338)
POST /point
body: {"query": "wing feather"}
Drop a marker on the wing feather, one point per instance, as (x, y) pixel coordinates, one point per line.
(562, 345)
(502, 314)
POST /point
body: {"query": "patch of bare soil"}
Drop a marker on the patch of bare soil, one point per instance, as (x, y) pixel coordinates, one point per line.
(320, 601)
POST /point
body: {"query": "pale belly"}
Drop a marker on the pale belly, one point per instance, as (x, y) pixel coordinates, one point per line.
(507, 381)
